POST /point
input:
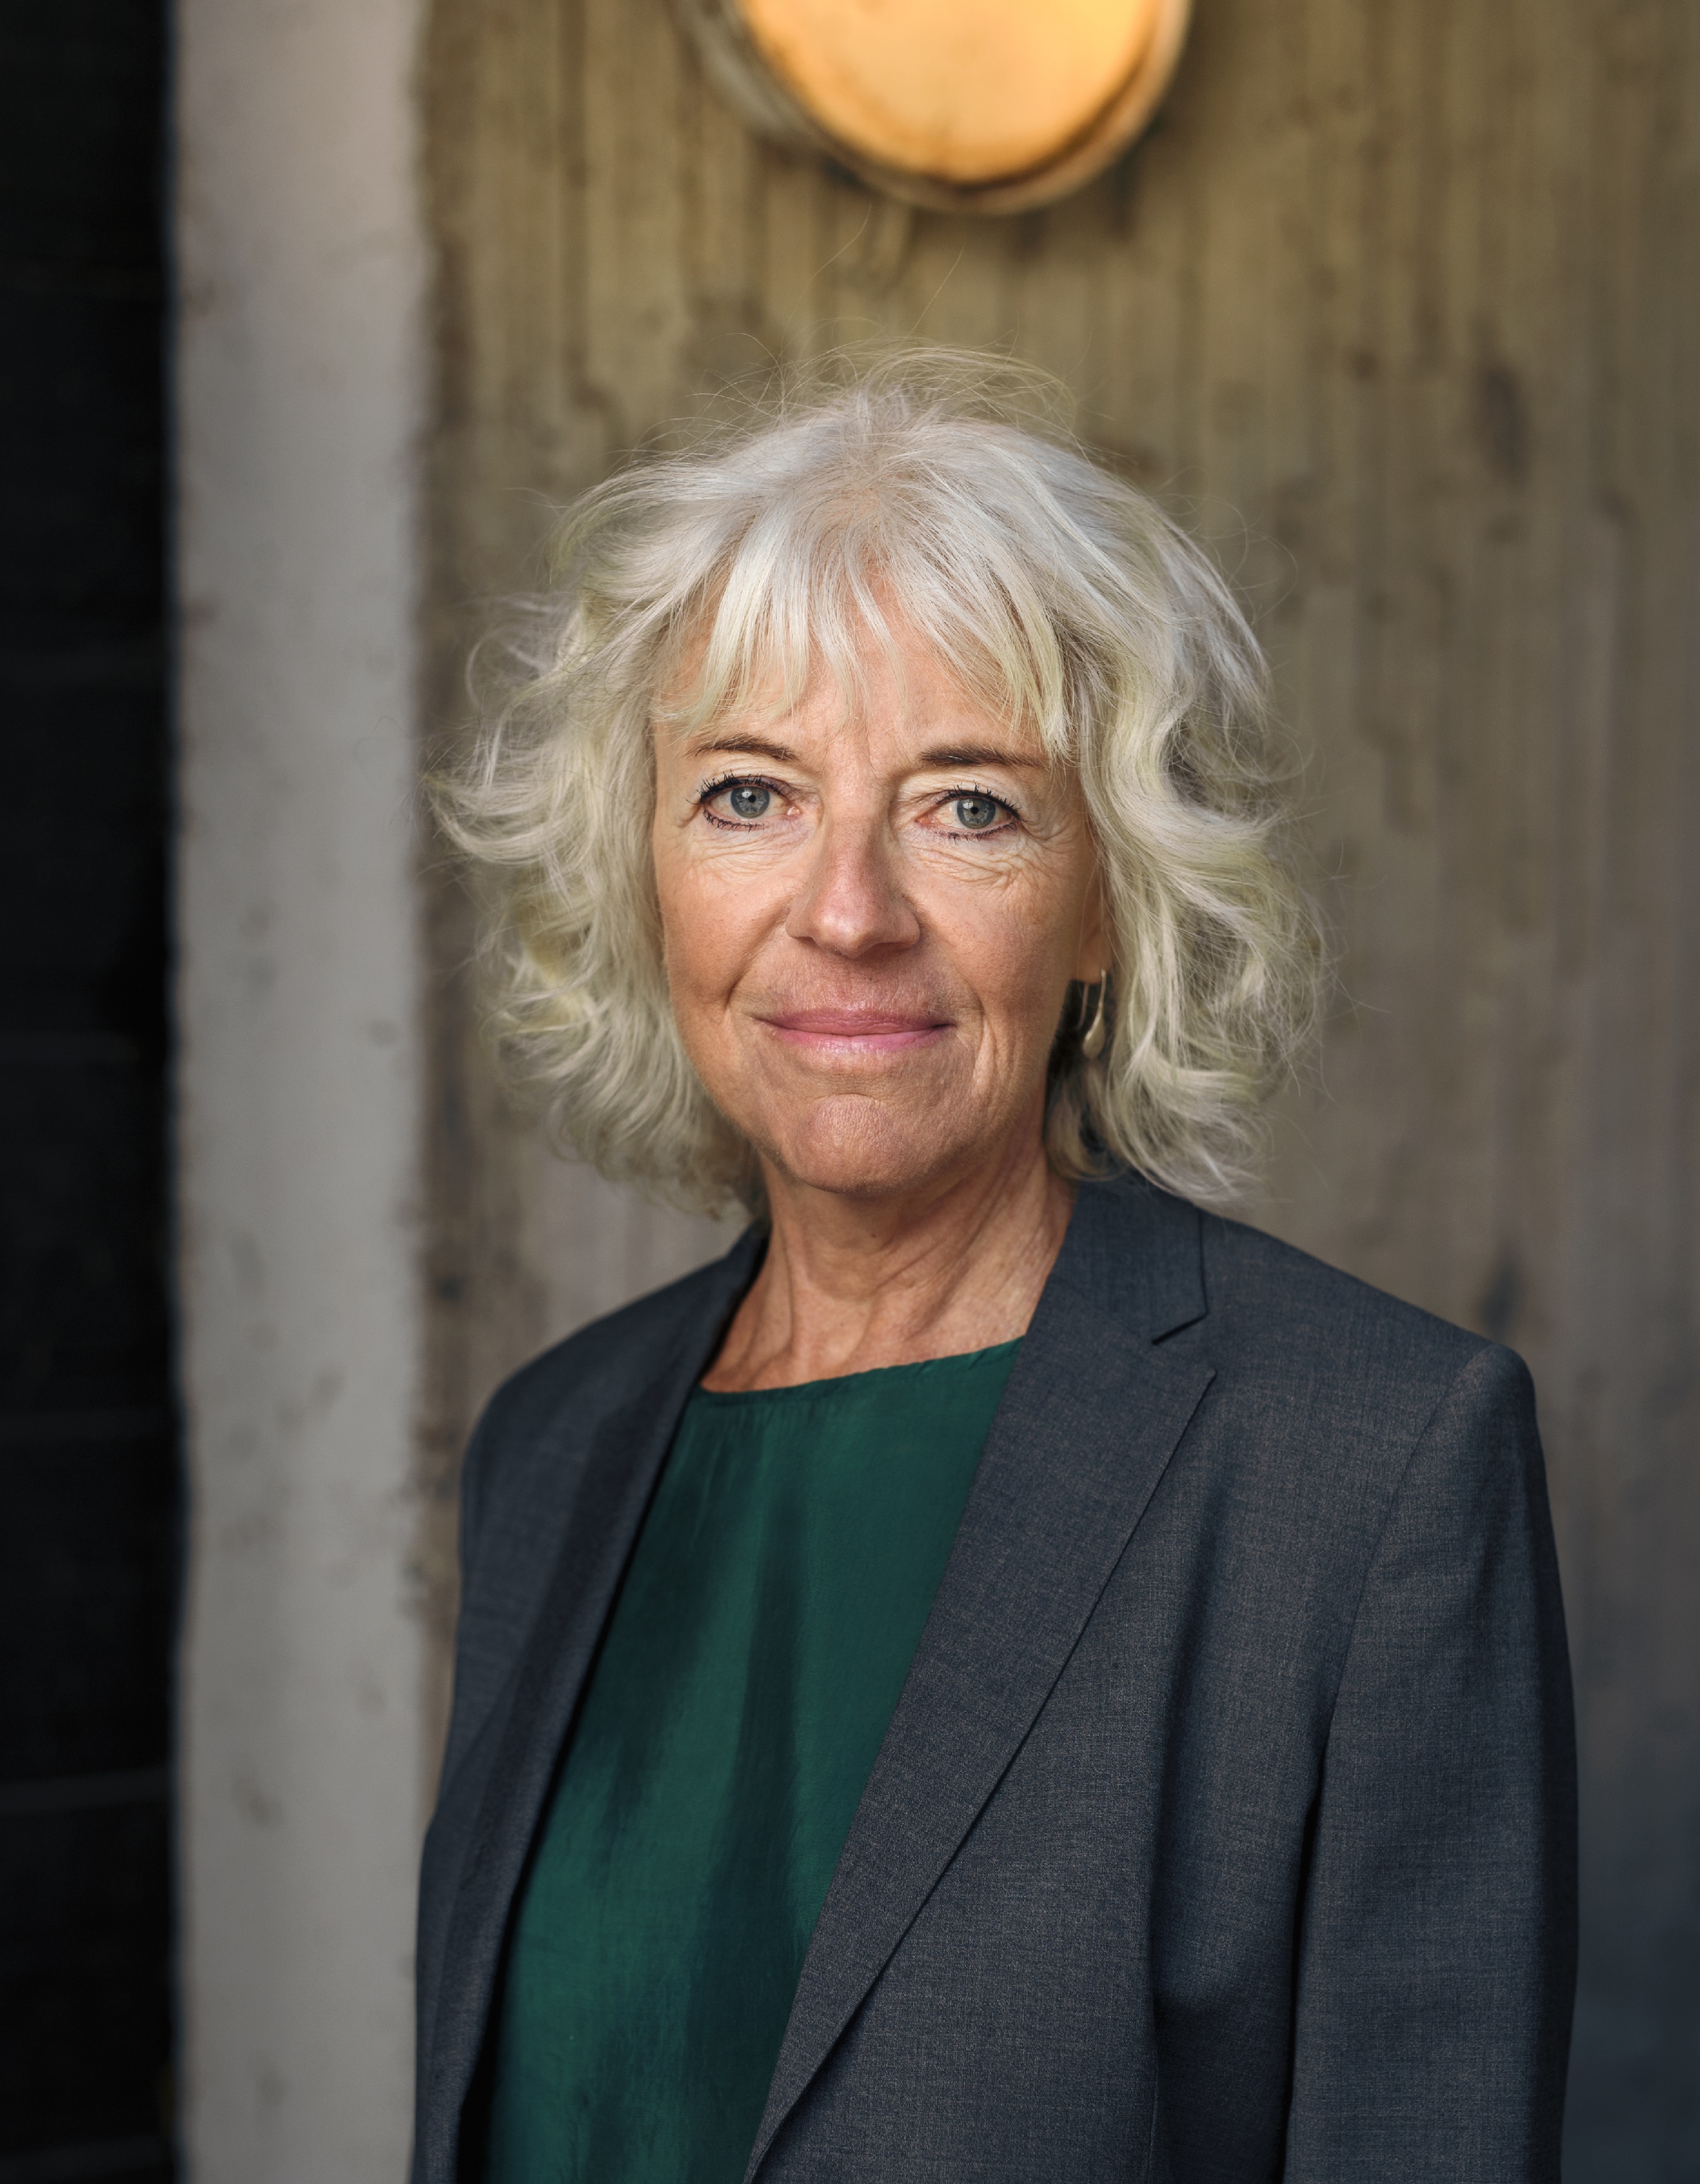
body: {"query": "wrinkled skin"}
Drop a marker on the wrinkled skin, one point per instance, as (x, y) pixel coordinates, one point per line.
(871, 916)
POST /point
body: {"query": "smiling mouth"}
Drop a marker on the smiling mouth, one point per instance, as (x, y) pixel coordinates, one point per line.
(855, 1031)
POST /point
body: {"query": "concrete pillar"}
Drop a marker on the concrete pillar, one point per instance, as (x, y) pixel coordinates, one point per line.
(305, 1766)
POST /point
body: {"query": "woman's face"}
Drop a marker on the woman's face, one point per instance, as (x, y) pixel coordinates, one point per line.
(871, 920)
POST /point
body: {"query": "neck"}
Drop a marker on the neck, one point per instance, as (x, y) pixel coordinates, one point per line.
(851, 1284)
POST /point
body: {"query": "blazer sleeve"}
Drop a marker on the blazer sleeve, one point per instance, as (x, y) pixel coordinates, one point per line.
(1437, 1937)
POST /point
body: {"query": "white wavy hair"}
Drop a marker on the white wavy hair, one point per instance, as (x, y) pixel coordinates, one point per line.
(1057, 592)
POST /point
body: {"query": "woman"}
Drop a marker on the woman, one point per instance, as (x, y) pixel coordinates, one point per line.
(1007, 1675)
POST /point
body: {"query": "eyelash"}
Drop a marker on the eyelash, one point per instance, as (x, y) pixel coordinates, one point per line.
(710, 789)
(987, 796)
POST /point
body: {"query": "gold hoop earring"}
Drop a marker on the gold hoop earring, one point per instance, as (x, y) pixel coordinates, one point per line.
(1092, 1039)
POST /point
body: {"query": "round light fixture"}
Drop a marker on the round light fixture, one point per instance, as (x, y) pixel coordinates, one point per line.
(963, 105)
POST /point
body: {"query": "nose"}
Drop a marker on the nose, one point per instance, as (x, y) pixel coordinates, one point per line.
(851, 902)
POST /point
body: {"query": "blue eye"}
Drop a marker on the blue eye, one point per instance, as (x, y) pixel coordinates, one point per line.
(975, 814)
(748, 799)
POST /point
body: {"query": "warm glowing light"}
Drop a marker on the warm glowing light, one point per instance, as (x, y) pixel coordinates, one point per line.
(965, 91)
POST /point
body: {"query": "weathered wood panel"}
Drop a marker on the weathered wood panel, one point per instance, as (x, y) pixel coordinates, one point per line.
(1401, 306)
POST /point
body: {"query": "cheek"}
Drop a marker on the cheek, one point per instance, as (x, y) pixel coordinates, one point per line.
(689, 943)
(1016, 945)
(710, 929)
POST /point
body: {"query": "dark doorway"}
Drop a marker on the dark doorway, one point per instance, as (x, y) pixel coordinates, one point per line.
(89, 1494)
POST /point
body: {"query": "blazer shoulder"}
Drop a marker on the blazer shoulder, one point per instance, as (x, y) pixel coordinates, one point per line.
(559, 1396)
(1270, 1300)
(1356, 1391)
(607, 1350)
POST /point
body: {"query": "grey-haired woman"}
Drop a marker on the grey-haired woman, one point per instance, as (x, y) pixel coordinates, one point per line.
(1008, 1674)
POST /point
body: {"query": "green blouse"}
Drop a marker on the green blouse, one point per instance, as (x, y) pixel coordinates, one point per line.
(755, 1653)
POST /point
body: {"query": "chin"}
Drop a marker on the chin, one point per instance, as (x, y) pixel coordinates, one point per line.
(861, 1157)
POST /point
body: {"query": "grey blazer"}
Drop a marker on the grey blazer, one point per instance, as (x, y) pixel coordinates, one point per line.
(1225, 1828)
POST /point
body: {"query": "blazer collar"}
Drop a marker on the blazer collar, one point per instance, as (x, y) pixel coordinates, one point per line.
(626, 1451)
(1092, 1412)
(1137, 1254)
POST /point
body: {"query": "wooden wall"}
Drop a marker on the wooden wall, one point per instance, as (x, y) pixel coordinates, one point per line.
(1398, 306)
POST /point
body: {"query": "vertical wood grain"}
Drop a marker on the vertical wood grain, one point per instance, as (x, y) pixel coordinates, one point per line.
(1399, 305)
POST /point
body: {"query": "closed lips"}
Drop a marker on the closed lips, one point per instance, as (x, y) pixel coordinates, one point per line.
(875, 1029)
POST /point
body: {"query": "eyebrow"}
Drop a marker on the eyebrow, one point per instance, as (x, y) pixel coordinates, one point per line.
(746, 746)
(941, 756)
(972, 754)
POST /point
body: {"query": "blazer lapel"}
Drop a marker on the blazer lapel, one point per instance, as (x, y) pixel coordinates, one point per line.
(1091, 1415)
(618, 1477)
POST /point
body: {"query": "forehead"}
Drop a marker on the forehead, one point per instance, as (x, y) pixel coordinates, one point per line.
(889, 688)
